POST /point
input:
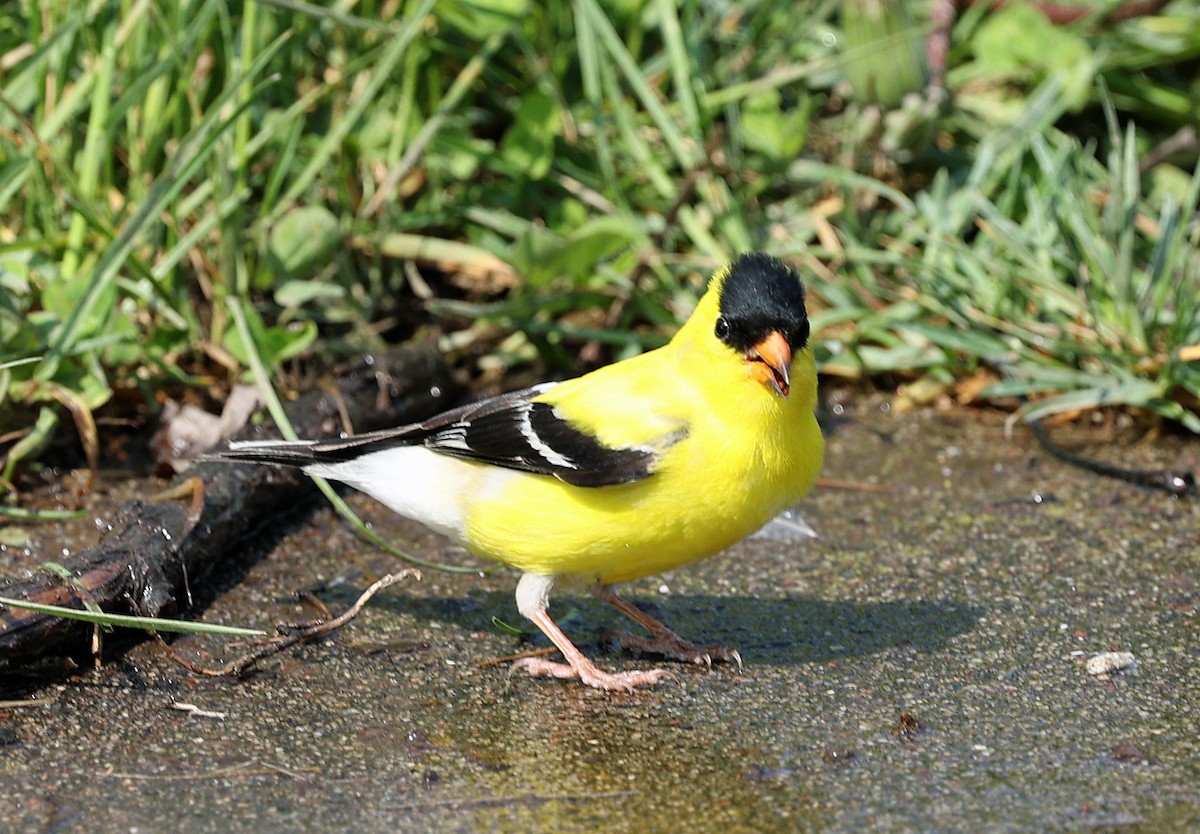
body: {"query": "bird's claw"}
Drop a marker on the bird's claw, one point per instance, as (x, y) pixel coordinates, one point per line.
(677, 648)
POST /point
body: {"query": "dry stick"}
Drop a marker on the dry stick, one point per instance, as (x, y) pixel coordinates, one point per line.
(1177, 482)
(289, 633)
(499, 661)
(241, 769)
(155, 550)
(851, 486)
(525, 799)
(1183, 140)
(192, 488)
(937, 42)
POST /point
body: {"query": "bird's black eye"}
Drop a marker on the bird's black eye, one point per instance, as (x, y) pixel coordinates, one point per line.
(722, 328)
(800, 336)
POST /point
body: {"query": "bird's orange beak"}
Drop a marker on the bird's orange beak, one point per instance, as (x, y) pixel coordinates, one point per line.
(771, 362)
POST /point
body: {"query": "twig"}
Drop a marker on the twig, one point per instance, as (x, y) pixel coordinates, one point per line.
(937, 42)
(197, 711)
(240, 769)
(524, 799)
(1179, 483)
(289, 633)
(30, 702)
(1180, 141)
(850, 486)
(496, 661)
(192, 488)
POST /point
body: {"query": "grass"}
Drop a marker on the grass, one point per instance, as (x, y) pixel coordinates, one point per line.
(105, 620)
(347, 174)
(1050, 267)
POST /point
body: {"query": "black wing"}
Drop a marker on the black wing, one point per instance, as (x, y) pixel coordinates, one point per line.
(514, 432)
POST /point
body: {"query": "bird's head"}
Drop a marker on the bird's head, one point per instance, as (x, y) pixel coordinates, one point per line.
(760, 314)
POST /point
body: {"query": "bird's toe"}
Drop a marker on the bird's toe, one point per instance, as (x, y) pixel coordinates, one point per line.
(677, 649)
(589, 675)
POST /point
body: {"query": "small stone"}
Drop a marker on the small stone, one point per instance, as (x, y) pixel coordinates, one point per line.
(1106, 663)
(907, 727)
(837, 756)
(1127, 753)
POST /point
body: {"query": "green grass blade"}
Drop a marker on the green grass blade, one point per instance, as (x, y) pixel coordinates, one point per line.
(381, 75)
(684, 156)
(126, 621)
(190, 156)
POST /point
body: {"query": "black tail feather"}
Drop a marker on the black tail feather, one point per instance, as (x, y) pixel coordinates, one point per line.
(280, 453)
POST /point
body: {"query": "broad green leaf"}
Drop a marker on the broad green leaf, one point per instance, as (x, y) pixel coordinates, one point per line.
(529, 143)
(272, 344)
(1020, 41)
(299, 293)
(885, 57)
(303, 241)
(541, 256)
(771, 129)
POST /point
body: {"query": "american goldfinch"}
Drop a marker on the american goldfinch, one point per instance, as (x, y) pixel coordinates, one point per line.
(630, 470)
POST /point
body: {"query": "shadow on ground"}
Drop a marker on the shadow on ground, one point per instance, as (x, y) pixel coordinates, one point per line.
(789, 630)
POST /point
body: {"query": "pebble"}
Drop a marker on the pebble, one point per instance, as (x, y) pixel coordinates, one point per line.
(1108, 662)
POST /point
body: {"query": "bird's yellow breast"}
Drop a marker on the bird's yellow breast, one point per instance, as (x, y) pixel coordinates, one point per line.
(739, 456)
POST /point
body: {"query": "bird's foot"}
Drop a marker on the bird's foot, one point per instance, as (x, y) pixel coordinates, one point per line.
(590, 675)
(671, 645)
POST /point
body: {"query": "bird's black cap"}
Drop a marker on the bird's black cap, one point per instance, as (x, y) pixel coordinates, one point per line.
(761, 294)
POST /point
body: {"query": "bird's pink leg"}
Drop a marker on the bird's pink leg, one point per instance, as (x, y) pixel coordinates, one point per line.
(532, 593)
(578, 666)
(664, 641)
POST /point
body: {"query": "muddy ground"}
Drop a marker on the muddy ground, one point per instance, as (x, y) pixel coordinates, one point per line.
(920, 667)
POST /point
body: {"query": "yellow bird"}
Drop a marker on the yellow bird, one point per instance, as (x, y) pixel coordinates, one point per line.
(633, 469)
